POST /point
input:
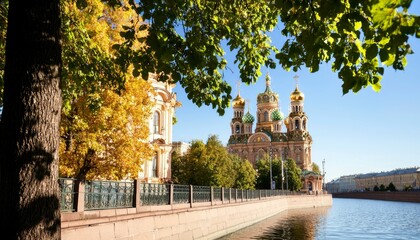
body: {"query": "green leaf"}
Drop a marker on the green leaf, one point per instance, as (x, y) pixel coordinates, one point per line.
(377, 86)
(383, 54)
(357, 26)
(372, 51)
(390, 60)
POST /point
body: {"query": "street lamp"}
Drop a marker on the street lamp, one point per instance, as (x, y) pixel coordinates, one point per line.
(271, 168)
(282, 171)
(323, 174)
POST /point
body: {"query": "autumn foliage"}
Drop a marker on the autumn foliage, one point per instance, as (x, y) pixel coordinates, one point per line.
(104, 126)
(111, 142)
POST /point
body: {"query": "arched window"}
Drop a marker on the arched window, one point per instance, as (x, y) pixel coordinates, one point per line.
(154, 165)
(237, 129)
(260, 154)
(304, 125)
(265, 116)
(297, 124)
(156, 122)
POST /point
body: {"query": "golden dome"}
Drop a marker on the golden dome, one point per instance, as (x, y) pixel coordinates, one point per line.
(287, 121)
(297, 95)
(238, 101)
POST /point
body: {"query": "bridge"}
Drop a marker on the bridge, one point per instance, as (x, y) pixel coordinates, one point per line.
(102, 210)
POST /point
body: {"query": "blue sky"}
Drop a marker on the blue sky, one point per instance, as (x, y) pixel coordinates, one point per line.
(355, 133)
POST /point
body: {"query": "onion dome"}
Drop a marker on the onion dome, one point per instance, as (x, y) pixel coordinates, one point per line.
(297, 95)
(287, 120)
(268, 96)
(238, 102)
(276, 115)
(248, 118)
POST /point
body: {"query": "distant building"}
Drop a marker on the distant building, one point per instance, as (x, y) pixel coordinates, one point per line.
(268, 137)
(407, 178)
(180, 147)
(342, 184)
(402, 179)
(158, 168)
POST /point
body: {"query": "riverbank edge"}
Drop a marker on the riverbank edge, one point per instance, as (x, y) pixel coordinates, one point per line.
(386, 196)
(207, 222)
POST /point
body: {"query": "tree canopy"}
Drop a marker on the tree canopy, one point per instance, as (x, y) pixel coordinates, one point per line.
(263, 169)
(294, 181)
(209, 164)
(186, 40)
(315, 168)
(109, 142)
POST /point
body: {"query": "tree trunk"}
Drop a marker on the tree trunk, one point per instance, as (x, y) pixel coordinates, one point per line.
(29, 128)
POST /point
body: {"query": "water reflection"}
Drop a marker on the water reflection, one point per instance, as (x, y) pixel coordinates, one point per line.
(346, 219)
(292, 224)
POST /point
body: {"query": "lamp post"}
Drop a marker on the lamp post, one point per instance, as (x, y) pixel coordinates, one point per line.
(323, 174)
(282, 171)
(271, 168)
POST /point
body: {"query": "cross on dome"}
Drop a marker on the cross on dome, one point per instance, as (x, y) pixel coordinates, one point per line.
(296, 78)
(238, 86)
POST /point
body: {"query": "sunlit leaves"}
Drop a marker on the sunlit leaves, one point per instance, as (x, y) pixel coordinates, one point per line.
(110, 142)
(186, 38)
(209, 164)
(359, 35)
(104, 134)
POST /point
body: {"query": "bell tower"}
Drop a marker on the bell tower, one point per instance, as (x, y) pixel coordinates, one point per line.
(236, 123)
(297, 131)
(267, 105)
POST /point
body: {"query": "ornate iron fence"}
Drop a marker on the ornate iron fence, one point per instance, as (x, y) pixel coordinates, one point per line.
(154, 194)
(108, 194)
(201, 193)
(226, 194)
(181, 194)
(120, 194)
(67, 194)
(217, 194)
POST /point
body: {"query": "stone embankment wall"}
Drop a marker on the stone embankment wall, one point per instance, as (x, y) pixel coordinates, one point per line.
(388, 196)
(202, 221)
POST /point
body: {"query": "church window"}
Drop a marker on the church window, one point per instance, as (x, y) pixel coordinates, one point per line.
(304, 125)
(297, 124)
(260, 154)
(265, 116)
(237, 129)
(156, 122)
(154, 165)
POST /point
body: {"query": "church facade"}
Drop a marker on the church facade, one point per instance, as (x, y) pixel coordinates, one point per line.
(158, 169)
(268, 137)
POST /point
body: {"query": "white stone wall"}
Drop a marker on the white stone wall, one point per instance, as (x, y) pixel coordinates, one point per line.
(206, 222)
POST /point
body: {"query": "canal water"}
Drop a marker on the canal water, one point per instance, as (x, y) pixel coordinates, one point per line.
(346, 219)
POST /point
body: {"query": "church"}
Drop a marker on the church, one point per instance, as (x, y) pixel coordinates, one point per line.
(268, 138)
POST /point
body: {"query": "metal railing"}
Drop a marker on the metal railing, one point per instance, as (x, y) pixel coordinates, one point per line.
(67, 194)
(154, 194)
(77, 196)
(108, 194)
(201, 193)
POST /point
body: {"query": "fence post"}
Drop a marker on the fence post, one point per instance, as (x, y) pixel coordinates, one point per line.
(171, 194)
(137, 189)
(79, 196)
(230, 195)
(191, 196)
(211, 195)
(236, 195)
(223, 195)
